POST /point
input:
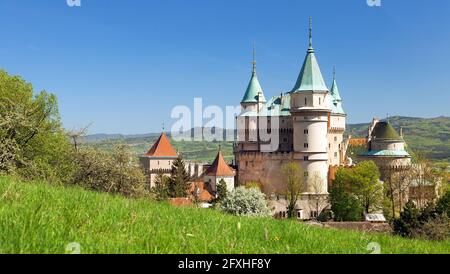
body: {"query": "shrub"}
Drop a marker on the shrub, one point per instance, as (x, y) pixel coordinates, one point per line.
(435, 229)
(246, 201)
(325, 216)
(408, 222)
(443, 205)
(111, 173)
(222, 192)
(161, 191)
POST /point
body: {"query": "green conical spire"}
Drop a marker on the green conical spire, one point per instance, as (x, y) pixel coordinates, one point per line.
(254, 90)
(334, 88)
(310, 77)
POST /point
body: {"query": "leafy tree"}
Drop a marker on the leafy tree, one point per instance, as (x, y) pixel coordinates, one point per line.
(408, 222)
(246, 201)
(344, 205)
(293, 186)
(443, 204)
(179, 184)
(161, 188)
(222, 191)
(32, 141)
(364, 182)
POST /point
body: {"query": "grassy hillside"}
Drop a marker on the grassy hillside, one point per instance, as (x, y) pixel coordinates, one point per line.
(430, 136)
(38, 218)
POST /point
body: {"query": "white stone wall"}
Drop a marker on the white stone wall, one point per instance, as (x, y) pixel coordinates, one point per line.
(215, 180)
(387, 145)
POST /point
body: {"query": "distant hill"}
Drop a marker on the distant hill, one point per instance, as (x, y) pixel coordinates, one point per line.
(430, 136)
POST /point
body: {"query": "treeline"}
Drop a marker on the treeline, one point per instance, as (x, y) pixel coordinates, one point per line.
(34, 146)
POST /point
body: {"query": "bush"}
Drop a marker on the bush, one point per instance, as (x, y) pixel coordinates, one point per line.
(435, 229)
(325, 216)
(112, 173)
(246, 201)
(443, 205)
(408, 222)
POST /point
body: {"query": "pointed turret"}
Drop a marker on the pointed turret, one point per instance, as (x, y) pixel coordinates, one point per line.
(219, 167)
(310, 77)
(162, 148)
(336, 100)
(334, 88)
(254, 92)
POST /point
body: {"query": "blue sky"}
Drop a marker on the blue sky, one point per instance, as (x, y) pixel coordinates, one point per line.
(123, 64)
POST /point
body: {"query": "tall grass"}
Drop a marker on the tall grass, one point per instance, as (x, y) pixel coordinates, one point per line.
(38, 218)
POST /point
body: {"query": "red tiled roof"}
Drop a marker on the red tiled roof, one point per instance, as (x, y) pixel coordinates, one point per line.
(162, 148)
(219, 167)
(357, 142)
(204, 195)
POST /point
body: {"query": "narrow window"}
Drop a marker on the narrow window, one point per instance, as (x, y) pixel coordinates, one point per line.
(320, 101)
(305, 101)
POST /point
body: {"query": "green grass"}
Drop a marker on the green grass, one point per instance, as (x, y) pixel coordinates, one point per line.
(39, 218)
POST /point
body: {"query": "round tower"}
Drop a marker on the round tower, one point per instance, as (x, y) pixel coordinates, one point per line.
(310, 110)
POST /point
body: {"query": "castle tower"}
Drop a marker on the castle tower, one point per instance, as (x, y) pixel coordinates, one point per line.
(336, 146)
(219, 170)
(310, 110)
(159, 159)
(251, 104)
(386, 148)
(254, 96)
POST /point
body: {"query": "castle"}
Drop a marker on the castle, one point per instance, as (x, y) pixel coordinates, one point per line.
(309, 122)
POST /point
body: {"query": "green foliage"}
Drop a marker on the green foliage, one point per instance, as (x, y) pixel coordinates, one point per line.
(294, 181)
(179, 180)
(427, 223)
(161, 189)
(222, 192)
(435, 229)
(344, 205)
(356, 191)
(111, 173)
(408, 222)
(244, 201)
(364, 181)
(443, 204)
(38, 218)
(32, 142)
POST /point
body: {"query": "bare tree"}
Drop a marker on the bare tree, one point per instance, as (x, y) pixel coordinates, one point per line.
(317, 188)
(401, 182)
(425, 180)
(293, 185)
(76, 134)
